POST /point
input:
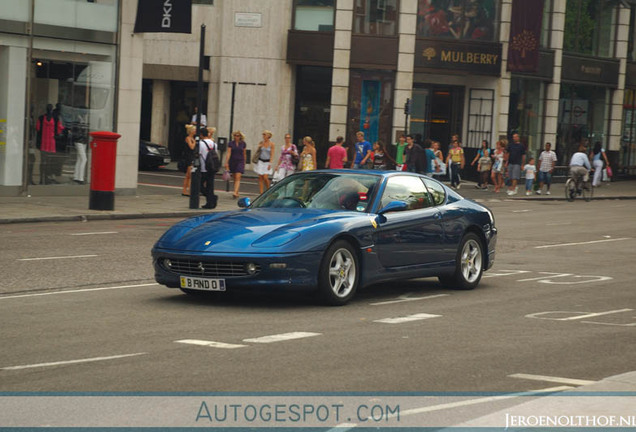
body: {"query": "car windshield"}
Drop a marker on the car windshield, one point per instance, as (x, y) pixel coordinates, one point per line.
(321, 190)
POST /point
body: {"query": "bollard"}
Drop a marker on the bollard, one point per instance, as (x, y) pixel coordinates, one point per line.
(104, 158)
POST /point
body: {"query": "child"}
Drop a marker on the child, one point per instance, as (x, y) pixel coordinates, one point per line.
(530, 171)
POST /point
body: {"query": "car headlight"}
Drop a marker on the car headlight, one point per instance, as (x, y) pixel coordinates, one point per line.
(152, 150)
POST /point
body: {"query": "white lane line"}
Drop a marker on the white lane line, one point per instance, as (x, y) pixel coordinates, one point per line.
(591, 315)
(61, 363)
(159, 186)
(281, 337)
(76, 291)
(405, 298)
(57, 257)
(211, 344)
(521, 211)
(95, 233)
(558, 380)
(408, 318)
(582, 243)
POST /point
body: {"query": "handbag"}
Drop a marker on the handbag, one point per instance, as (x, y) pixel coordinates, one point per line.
(257, 155)
(226, 175)
(609, 171)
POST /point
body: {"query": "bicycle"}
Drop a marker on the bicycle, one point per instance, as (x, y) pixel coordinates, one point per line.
(578, 187)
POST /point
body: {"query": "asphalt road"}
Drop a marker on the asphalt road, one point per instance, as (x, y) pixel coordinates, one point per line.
(79, 311)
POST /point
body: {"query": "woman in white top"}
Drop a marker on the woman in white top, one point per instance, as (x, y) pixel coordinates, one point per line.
(264, 165)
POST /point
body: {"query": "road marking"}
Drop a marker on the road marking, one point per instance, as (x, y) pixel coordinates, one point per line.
(558, 223)
(551, 275)
(591, 315)
(211, 344)
(558, 380)
(505, 273)
(57, 257)
(405, 298)
(408, 318)
(67, 362)
(521, 211)
(95, 233)
(159, 186)
(582, 243)
(76, 291)
(281, 337)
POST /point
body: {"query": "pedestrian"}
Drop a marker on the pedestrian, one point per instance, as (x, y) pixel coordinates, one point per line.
(597, 156)
(530, 171)
(547, 162)
(399, 153)
(484, 163)
(498, 165)
(413, 155)
(235, 161)
(204, 119)
(381, 158)
(515, 159)
(440, 168)
(285, 166)
(263, 168)
(336, 155)
(455, 161)
(431, 165)
(188, 157)
(206, 145)
(308, 155)
(364, 151)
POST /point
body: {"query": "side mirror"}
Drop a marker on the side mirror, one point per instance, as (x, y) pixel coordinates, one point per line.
(244, 202)
(394, 206)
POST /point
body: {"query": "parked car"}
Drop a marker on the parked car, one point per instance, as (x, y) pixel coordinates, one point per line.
(152, 156)
(332, 231)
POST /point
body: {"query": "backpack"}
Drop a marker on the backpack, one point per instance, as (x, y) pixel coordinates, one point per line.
(212, 161)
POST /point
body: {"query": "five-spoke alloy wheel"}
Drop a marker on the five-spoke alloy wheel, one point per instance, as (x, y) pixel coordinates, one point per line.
(338, 278)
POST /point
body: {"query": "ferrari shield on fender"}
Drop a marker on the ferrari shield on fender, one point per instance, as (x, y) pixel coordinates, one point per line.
(164, 16)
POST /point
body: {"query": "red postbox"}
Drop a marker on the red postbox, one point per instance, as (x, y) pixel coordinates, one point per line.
(104, 158)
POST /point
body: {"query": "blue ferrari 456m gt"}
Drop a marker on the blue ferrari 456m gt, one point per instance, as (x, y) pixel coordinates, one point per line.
(332, 231)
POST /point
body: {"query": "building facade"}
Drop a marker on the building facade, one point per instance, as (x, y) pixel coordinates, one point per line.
(319, 68)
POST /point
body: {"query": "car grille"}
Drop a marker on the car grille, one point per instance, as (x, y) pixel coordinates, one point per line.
(197, 268)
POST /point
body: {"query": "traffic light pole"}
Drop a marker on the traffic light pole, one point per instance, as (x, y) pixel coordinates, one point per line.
(407, 111)
(195, 178)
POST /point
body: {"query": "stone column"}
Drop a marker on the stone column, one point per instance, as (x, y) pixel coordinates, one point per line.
(551, 116)
(340, 74)
(504, 82)
(128, 115)
(406, 61)
(160, 112)
(618, 95)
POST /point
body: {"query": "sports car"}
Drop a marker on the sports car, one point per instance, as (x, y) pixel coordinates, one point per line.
(332, 231)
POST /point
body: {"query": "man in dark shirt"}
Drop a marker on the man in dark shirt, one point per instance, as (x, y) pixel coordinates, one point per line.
(515, 158)
(414, 154)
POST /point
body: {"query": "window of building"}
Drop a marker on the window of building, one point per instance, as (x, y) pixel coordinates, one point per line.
(590, 27)
(526, 111)
(314, 15)
(461, 20)
(546, 24)
(628, 140)
(631, 50)
(376, 17)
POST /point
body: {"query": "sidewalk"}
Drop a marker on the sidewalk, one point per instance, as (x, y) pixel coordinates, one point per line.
(154, 202)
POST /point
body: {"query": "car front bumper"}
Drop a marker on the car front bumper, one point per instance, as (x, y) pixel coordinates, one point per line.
(297, 271)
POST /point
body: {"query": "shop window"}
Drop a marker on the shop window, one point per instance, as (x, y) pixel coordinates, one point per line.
(590, 27)
(526, 111)
(314, 15)
(631, 53)
(628, 139)
(370, 105)
(461, 20)
(375, 17)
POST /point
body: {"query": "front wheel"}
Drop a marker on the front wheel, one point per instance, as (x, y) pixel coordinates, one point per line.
(469, 264)
(338, 277)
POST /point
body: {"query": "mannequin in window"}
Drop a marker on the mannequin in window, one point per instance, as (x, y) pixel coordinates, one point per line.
(47, 127)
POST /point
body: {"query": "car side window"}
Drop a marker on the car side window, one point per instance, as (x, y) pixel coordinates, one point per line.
(436, 190)
(409, 189)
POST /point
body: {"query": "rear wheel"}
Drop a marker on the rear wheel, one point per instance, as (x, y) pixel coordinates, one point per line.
(469, 264)
(570, 189)
(338, 275)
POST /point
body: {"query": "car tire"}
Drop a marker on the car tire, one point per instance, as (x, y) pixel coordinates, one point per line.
(339, 274)
(469, 265)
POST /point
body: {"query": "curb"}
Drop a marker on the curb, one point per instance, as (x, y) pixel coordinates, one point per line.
(98, 217)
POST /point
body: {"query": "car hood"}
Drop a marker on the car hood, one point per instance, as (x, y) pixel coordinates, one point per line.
(247, 231)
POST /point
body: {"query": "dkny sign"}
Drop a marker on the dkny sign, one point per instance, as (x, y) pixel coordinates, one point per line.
(164, 16)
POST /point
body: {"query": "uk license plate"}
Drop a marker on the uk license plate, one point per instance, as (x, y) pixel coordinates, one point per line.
(202, 284)
(166, 160)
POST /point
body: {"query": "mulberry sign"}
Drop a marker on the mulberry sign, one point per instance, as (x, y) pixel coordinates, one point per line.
(478, 58)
